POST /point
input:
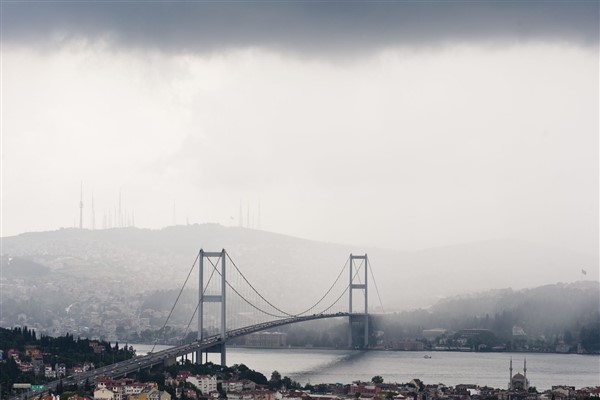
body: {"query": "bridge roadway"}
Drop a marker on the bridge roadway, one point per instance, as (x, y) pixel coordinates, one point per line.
(137, 363)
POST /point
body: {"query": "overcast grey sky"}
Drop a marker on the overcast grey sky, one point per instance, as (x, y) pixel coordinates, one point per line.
(395, 124)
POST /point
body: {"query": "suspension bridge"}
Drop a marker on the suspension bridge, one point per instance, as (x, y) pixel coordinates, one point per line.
(229, 306)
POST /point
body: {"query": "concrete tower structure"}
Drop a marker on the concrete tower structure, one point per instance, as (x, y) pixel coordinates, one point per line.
(213, 298)
(93, 213)
(81, 207)
(120, 216)
(361, 319)
(258, 226)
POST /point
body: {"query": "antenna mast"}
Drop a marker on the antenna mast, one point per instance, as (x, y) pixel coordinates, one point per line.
(81, 207)
(93, 214)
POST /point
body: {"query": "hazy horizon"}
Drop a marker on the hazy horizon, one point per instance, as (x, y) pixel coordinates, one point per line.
(164, 255)
(395, 125)
(358, 246)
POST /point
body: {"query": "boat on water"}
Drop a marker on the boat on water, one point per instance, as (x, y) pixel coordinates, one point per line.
(426, 356)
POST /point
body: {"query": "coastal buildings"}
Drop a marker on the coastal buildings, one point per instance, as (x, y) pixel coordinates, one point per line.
(205, 383)
(266, 339)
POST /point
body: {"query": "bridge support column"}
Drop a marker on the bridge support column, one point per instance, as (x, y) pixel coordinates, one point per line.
(212, 298)
(358, 319)
(170, 361)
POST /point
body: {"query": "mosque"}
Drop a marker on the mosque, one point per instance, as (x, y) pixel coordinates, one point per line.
(518, 381)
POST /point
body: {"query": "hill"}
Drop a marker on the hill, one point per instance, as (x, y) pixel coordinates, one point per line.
(535, 319)
(108, 271)
(545, 310)
(161, 258)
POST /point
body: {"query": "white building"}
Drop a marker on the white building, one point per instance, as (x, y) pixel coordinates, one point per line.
(205, 383)
(104, 394)
(239, 386)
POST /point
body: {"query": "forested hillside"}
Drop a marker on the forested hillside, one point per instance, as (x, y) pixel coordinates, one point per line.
(550, 314)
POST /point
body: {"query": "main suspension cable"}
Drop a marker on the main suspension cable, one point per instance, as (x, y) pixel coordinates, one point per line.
(281, 311)
(176, 300)
(376, 288)
(328, 291)
(340, 296)
(248, 301)
(255, 291)
(198, 304)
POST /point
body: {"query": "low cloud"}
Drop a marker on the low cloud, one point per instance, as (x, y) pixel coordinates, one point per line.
(320, 28)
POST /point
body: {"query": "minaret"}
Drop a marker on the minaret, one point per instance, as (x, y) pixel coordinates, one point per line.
(510, 385)
(248, 215)
(525, 373)
(241, 218)
(81, 207)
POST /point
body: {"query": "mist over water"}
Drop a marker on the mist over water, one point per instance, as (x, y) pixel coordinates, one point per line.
(450, 368)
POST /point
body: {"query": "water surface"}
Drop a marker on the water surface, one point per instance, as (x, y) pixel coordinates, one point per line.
(451, 368)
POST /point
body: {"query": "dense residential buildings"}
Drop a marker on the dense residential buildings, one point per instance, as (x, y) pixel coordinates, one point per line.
(204, 383)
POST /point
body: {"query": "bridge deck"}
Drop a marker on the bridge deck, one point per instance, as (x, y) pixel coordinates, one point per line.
(147, 361)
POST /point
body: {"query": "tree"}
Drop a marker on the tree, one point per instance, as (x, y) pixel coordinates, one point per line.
(253, 376)
(59, 387)
(377, 379)
(321, 388)
(275, 381)
(275, 376)
(289, 383)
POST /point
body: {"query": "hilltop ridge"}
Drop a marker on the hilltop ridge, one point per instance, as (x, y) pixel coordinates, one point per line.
(104, 283)
(159, 259)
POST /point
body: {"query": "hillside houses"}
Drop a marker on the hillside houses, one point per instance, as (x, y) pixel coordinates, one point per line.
(128, 389)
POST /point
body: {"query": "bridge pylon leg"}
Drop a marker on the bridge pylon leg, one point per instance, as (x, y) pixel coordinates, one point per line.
(212, 298)
(223, 354)
(358, 318)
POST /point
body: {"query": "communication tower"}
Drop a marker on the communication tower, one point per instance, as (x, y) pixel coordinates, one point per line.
(81, 207)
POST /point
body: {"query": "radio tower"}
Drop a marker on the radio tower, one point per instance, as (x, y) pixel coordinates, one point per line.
(93, 214)
(258, 218)
(81, 207)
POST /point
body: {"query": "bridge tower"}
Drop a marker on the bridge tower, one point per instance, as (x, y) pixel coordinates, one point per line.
(359, 321)
(211, 298)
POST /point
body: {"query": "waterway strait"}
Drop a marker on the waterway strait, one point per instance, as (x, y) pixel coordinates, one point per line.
(451, 368)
